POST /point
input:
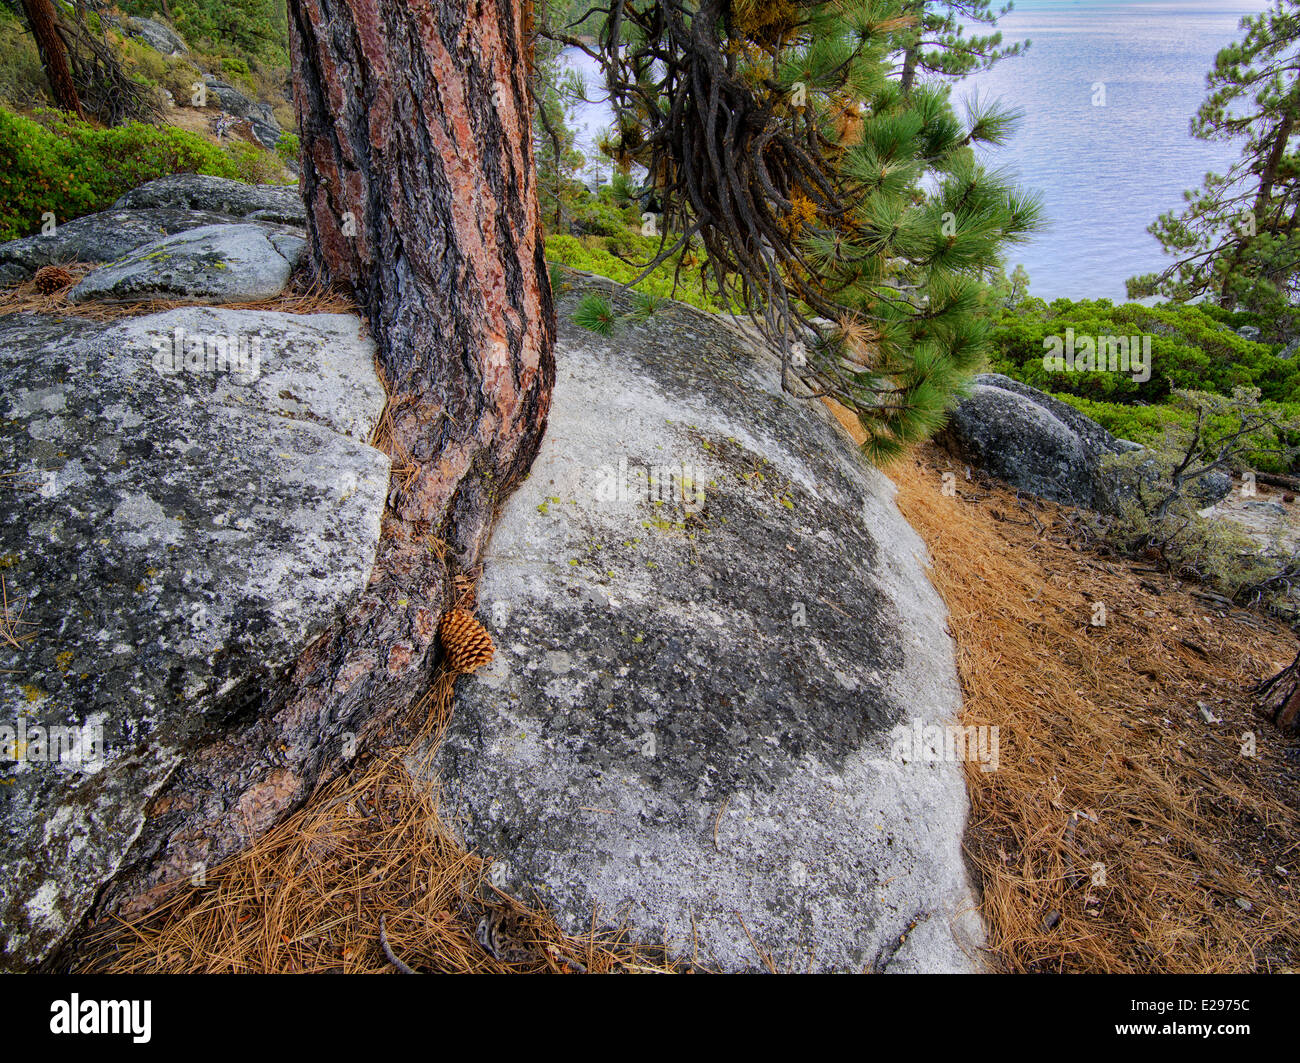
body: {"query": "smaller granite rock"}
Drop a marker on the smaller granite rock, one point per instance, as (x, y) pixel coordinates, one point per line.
(1041, 445)
(160, 38)
(1210, 488)
(259, 115)
(216, 263)
(1032, 441)
(103, 237)
(1249, 332)
(293, 248)
(192, 191)
(1048, 448)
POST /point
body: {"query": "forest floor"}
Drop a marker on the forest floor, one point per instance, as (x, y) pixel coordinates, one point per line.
(1142, 818)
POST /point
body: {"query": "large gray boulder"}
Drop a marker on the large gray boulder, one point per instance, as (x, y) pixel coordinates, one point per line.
(178, 522)
(164, 207)
(1044, 446)
(693, 718)
(215, 263)
(220, 195)
(1033, 441)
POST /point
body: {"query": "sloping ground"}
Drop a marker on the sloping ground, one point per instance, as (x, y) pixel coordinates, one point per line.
(1127, 829)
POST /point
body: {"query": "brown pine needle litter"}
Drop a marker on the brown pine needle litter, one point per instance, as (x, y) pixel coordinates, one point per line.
(1123, 831)
(301, 296)
(366, 851)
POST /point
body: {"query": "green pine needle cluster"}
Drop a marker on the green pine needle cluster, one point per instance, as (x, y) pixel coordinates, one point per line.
(596, 313)
(847, 212)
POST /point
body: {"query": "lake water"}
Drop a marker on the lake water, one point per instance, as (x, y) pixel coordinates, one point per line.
(1105, 172)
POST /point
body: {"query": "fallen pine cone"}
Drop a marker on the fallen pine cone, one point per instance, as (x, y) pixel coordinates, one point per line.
(465, 641)
(51, 279)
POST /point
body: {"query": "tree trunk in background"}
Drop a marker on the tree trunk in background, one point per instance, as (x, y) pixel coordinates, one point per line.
(417, 171)
(54, 56)
(910, 58)
(1279, 697)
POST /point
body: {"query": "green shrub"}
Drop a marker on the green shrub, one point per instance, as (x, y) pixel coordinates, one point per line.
(601, 218)
(590, 254)
(254, 164)
(1157, 512)
(1215, 553)
(68, 168)
(1192, 348)
(22, 78)
(176, 74)
(236, 68)
(288, 147)
(253, 27)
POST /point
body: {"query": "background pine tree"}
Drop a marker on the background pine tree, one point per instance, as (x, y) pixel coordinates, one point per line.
(1237, 241)
(936, 41)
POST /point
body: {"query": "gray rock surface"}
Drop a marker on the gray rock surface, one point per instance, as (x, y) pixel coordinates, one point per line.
(160, 38)
(215, 263)
(101, 237)
(1041, 445)
(689, 720)
(172, 535)
(165, 207)
(259, 115)
(220, 195)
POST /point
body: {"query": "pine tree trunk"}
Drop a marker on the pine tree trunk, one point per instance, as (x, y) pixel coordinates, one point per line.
(54, 55)
(1279, 697)
(415, 124)
(418, 174)
(908, 79)
(915, 10)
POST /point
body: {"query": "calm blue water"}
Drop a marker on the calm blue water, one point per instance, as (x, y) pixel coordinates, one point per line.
(1105, 173)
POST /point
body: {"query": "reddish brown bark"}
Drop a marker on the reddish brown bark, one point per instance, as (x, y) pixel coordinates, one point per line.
(417, 171)
(415, 122)
(54, 54)
(1280, 697)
